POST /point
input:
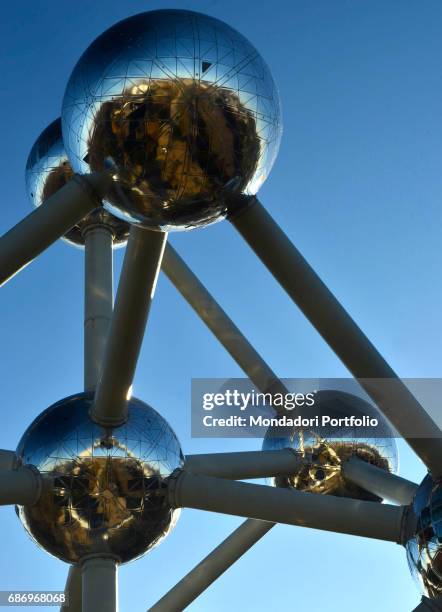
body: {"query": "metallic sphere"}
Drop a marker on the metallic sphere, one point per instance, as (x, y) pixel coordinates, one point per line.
(103, 490)
(48, 169)
(182, 108)
(321, 472)
(424, 550)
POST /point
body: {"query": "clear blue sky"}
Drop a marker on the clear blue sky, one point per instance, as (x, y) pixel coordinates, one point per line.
(357, 186)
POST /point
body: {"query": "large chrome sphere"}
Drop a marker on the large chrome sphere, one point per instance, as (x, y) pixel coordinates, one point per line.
(424, 550)
(48, 170)
(103, 491)
(321, 472)
(182, 107)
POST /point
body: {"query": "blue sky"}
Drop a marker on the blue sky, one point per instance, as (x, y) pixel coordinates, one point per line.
(357, 186)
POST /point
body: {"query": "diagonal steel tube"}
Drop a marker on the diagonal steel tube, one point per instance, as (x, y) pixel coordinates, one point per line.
(136, 288)
(325, 512)
(380, 482)
(339, 330)
(219, 323)
(212, 566)
(73, 590)
(21, 244)
(244, 465)
(98, 299)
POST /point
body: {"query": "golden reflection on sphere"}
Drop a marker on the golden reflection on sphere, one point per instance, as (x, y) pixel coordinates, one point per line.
(424, 549)
(321, 471)
(48, 170)
(182, 108)
(103, 490)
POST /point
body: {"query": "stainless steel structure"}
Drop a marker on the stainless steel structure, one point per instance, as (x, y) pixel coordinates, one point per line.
(424, 550)
(321, 470)
(48, 169)
(182, 108)
(102, 490)
(176, 135)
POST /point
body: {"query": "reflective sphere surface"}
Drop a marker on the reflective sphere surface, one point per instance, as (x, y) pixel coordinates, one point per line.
(424, 551)
(321, 473)
(103, 490)
(182, 107)
(48, 170)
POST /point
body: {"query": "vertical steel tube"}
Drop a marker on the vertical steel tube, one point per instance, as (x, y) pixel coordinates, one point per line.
(212, 566)
(136, 288)
(339, 330)
(98, 299)
(73, 590)
(100, 584)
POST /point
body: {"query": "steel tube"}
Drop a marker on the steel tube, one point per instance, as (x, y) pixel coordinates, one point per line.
(329, 513)
(98, 299)
(244, 465)
(338, 329)
(212, 566)
(100, 584)
(222, 327)
(8, 460)
(136, 288)
(73, 590)
(21, 486)
(378, 481)
(21, 244)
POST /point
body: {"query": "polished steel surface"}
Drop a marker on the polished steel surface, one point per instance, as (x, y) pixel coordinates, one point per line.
(103, 489)
(182, 107)
(424, 551)
(321, 470)
(48, 169)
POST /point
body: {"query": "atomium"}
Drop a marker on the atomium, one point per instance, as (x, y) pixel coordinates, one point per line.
(103, 490)
(182, 113)
(424, 550)
(48, 170)
(182, 108)
(321, 472)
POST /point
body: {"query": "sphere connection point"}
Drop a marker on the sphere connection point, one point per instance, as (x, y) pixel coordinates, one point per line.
(182, 108)
(103, 490)
(424, 549)
(321, 470)
(48, 170)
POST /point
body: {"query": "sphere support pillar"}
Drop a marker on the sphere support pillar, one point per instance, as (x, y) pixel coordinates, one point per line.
(98, 300)
(73, 590)
(136, 288)
(100, 585)
(338, 329)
